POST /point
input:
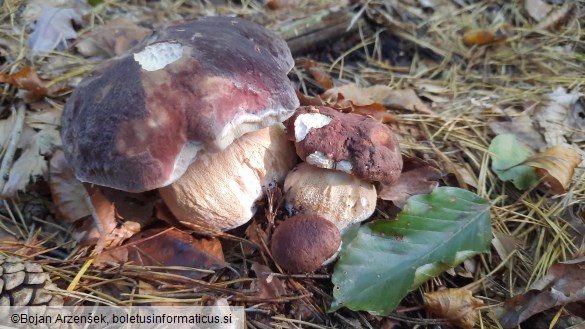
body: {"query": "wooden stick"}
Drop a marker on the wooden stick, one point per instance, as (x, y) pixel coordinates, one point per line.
(320, 28)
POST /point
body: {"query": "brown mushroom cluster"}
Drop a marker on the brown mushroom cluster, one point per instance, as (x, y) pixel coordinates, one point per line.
(196, 111)
(344, 155)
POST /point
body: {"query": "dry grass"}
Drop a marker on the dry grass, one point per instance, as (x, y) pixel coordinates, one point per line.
(479, 83)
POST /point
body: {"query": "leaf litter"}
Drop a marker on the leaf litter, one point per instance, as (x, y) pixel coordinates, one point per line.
(531, 80)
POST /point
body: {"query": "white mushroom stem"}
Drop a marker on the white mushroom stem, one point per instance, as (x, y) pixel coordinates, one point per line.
(337, 196)
(219, 191)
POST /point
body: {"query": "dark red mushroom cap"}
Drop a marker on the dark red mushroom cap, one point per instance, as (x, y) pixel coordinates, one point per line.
(356, 144)
(137, 121)
(304, 242)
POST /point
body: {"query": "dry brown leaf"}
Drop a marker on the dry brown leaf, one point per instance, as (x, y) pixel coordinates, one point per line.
(576, 220)
(557, 164)
(305, 100)
(558, 17)
(405, 99)
(120, 214)
(456, 305)
(67, 191)
(112, 39)
(321, 77)
(106, 217)
(172, 247)
(523, 128)
(479, 37)
(537, 9)
(563, 285)
(374, 110)
(505, 244)
(27, 79)
(417, 177)
(257, 235)
(267, 285)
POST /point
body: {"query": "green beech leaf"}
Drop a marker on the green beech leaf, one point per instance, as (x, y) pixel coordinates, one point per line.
(387, 259)
(507, 154)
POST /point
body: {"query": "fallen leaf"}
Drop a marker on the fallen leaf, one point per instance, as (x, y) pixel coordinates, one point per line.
(105, 211)
(374, 110)
(507, 155)
(576, 221)
(53, 28)
(523, 128)
(31, 164)
(321, 77)
(49, 118)
(27, 79)
(505, 244)
(563, 285)
(557, 164)
(558, 17)
(537, 9)
(456, 305)
(111, 39)
(405, 99)
(172, 247)
(305, 100)
(479, 37)
(559, 117)
(417, 177)
(388, 258)
(120, 214)
(67, 191)
(281, 4)
(267, 285)
(257, 235)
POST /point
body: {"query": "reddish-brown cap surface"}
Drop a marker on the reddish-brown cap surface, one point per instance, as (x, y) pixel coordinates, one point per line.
(137, 121)
(356, 144)
(304, 242)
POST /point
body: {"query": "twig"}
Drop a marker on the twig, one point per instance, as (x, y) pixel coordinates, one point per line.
(12, 145)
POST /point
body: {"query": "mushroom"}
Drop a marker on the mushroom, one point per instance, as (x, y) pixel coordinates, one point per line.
(339, 197)
(352, 143)
(137, 121)
(304, 243)
(219, 190)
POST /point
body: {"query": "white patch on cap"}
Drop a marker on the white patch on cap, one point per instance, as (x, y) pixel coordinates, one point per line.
(318, 159)
(344, 166)
(307, 121)
(158, 55)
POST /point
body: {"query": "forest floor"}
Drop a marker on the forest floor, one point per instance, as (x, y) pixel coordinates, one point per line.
(453, 74)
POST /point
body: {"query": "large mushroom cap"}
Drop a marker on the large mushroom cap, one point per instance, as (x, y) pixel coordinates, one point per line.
(356, 144)
(137, 121)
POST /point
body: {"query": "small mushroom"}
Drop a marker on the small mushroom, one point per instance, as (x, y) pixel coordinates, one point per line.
(303, 243)
(339, 197)
(138, 120)
(352, 143)
(219, 190)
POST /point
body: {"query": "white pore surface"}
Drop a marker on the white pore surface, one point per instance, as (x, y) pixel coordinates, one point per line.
(307, 121)
(158, 55)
